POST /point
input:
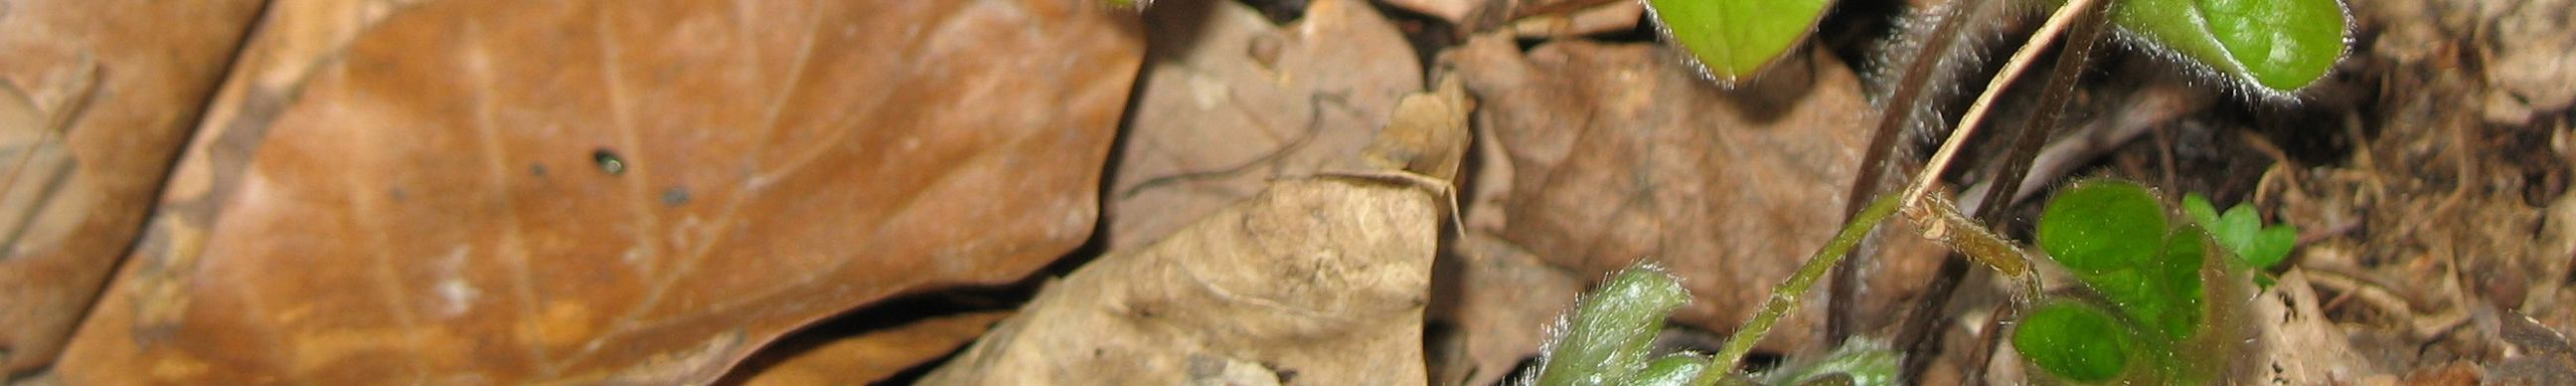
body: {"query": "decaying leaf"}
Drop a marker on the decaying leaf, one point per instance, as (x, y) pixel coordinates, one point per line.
(95, 98)
(1231, 102)
(1318, 281)
(1617, 154)
(411, 192)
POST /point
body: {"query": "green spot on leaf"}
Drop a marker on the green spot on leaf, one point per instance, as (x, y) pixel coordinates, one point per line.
(1734, 38)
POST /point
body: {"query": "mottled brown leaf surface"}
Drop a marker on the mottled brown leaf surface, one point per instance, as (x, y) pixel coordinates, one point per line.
(1231, 102)
(1316, 281)
(95, 99)
(414, 192)
(1619, 153)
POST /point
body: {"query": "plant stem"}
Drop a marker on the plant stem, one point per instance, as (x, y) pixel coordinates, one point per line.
(1923, 69)
(1784, 298)
(1968, 123)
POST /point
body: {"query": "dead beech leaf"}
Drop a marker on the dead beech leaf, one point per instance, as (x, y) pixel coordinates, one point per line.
(1318, 281)
(102, 93)
(1231, 102)
(412, 192)
(1618, 153)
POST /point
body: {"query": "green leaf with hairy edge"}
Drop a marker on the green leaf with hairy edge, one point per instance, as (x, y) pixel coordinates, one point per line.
(2277, 45)
(1734, 38)
(1860, 361)
(1606, 342)
(2101, 226)
(1671, 370)
(2072, 340)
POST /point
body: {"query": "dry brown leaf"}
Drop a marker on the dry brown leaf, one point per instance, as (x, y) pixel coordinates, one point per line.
(1231, 102)
(871, 357)
(1316, 281)
(1619, 16)
(2305, 348)
(423, 193)
(1499, 302)
(1453, 11)
(1620, 153)
(102, 94)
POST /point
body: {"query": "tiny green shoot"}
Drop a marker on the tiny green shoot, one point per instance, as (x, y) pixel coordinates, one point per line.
(2242, 232)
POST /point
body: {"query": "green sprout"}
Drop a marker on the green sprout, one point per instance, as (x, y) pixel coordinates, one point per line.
(2242, 232)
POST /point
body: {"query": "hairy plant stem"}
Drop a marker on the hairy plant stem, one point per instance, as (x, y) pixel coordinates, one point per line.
(1920, 72)
(1784, 298)
(1937, 217)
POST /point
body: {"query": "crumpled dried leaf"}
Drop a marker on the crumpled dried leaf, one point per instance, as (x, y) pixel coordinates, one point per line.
(1231, 102)
(102, 93)
(1318, 281)
(424, 192)
(1619, 153)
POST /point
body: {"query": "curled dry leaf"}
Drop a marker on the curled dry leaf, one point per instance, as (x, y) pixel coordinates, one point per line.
(1317, 281)
(1619, 153)
(1231, 102)
(416, 192)
(95, 98)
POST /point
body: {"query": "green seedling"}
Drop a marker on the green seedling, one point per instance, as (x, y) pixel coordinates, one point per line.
(2242, 232)
(2143, 297)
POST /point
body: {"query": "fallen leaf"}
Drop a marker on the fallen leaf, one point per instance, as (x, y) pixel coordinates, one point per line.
(1317, 281)
(1231, 102)
(1619, 153)
(1500, 303)
(871, 357)
(423, 192)
(95, 98)
(1601, 18)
